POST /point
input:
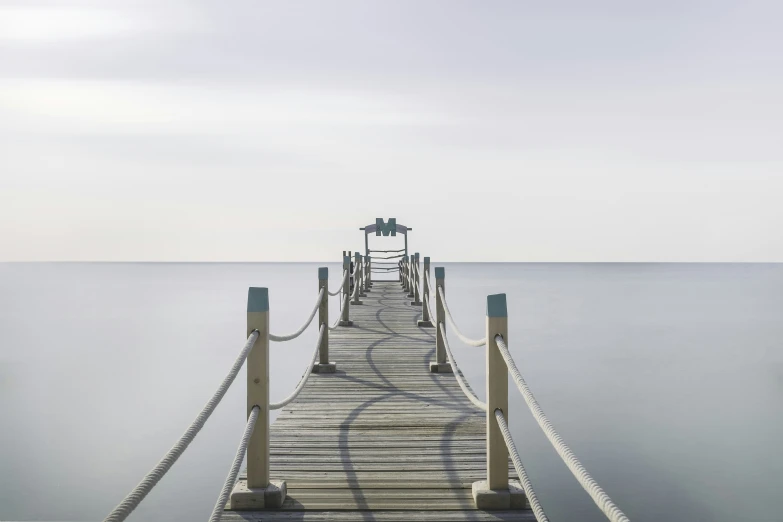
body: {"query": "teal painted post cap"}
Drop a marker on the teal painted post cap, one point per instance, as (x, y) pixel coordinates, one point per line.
(426, 259)
(346, 259)
(440, 272)
(257, 299)
(416, 255)
(496, 305)
(323, 273)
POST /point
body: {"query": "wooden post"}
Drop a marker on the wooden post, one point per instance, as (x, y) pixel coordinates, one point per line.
(356, 261)
(404, 272)
(425, 311)
(441, 363)
(345, 318)
(258, 492)
(360, 275)
(369, 272)
(496, 492)
(411, 282)
(366, 273)
(323, 365)
(416, 281)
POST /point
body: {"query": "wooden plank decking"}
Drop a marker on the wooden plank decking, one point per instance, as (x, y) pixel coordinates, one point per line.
(383, 438)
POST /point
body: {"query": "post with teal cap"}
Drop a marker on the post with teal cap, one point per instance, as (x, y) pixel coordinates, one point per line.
(441, 363)
(323, 365)
(369, 273)
(416, 281)
(496, 492)
(357, 289)
(345, 318)
(404, 276)
(258, 492)
(425, 310)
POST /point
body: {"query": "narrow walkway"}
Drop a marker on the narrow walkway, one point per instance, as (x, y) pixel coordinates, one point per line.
(383, 438)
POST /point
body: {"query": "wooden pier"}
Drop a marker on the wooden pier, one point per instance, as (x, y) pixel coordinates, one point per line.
(382, 425)
(382, 438)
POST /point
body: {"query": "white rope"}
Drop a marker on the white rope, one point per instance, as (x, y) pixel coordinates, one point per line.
(463, 338)
(355, 289)
(429, 310)
(281, 338)
(458, 374)
(340, 289)
(598, 495)
(133, 499)
(535, 505)
(339, 317)
(303, 380)
(220, 505)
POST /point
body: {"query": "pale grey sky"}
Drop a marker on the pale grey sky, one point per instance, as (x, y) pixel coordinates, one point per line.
(499, 131)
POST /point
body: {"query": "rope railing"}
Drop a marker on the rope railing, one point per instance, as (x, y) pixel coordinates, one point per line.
(462, 337)
(339, 316)
(387, 257)
(387, 251)
(535, 505)
(429, 310)
(303, 380)
(355, 292)
(458, 374)
(340, 289)
(598, 495)
(282, 338)
(138, 493)
(231, 480)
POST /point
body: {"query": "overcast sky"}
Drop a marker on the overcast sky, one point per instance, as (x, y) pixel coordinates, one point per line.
(499, 131)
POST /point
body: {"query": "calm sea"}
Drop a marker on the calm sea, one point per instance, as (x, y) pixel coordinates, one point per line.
(665, 379)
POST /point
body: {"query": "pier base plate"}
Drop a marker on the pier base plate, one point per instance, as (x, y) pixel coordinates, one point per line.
(270, 497)
(415, 303)
(488, 499)
(440, 367)
(424, 323)
(345, 323)
(325, 368)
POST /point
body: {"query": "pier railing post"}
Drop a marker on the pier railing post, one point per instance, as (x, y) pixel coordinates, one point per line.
(323, 365)
(358, 290)
(411, 271)
(361, 275)
(258, 492)
(345, 318)
(441, 363)
(404, 277)
(369, 272)
(496, 492)
(366, 273)
(425, 310)
(416, 281)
